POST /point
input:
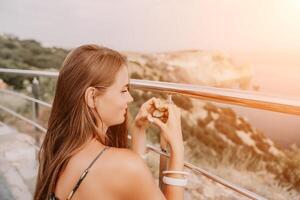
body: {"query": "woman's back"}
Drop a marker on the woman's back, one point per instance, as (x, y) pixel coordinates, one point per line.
(111, 177)
(99, 173)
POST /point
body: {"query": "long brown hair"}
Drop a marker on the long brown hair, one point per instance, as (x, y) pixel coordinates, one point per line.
(72, 123)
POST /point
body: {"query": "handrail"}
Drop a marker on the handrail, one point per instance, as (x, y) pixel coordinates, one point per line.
(223, 95)
(230, 96)
(23, 96)
(23, 118)
(26, 72)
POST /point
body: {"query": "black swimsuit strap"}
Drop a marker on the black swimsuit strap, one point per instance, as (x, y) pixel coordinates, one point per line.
(83, 175)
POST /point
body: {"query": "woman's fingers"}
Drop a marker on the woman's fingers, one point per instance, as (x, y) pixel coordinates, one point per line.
(156, 121)
(145, 107)
(171, 111)
(147, 104)
(171, 130)
(175, 110)
(144, 115)
(141, 117)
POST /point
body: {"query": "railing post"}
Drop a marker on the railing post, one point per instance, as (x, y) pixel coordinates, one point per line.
(35, 93)
(163, 160)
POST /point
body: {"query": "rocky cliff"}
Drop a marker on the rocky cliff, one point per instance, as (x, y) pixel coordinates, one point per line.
(216, 138)
(195, 67)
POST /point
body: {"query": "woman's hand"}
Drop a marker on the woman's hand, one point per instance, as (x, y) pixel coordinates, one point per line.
(171, 130)
(141, 120)
(172, 133)
(138, 129)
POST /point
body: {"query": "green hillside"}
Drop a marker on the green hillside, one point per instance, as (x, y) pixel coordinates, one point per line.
(27, 54)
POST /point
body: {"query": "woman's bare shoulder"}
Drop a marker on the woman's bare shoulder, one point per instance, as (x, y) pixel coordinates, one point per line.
(126, 170)
(113, 158)
(125, 160)
(119, 170)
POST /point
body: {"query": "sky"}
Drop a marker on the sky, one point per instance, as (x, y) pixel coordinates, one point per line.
(158, 25)
(262, 33)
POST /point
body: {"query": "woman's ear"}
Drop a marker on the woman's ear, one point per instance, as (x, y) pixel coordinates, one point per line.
(89, 97)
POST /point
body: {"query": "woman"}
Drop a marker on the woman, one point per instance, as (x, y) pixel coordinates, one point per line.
(84, 154)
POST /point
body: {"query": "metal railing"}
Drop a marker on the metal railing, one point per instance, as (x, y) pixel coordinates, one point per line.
(250, 99)
(229, 96)
(33, 123)
(29, 72)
